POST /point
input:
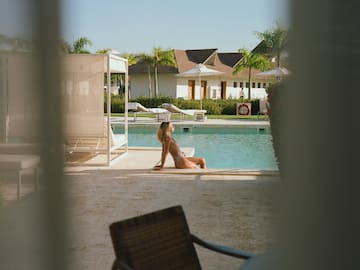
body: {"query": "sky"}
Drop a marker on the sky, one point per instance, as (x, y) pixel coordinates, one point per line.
(137, 26)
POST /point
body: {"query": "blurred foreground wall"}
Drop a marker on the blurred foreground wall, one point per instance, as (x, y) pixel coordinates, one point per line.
(320, 192)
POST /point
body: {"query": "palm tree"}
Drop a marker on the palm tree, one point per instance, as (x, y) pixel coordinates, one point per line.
(149, 60)
(80, 44)
(103, 51)
(132, 58)
(274, 41)
(159, 57)
(251, 60)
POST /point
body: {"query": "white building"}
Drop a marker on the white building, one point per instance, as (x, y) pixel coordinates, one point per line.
(222, 85)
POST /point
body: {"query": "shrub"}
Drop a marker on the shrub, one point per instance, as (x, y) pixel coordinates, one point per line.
(154, 101)
(255, 106)
(117, 104)
(229, 106)
(187, 104)
(212, 106)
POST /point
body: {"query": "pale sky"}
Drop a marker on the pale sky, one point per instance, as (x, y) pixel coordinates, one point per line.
(137, 26)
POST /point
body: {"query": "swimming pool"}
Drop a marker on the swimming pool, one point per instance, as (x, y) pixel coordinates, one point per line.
(224, 147)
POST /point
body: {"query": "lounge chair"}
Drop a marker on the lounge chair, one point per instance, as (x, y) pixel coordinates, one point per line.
(95, 145)
(197, 115)
(160, 240)
(161, 114)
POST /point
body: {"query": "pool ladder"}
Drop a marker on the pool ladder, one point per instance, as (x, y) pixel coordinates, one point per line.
(186, 129)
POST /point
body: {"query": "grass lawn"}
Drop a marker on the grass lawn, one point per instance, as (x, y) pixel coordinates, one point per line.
(209, 116)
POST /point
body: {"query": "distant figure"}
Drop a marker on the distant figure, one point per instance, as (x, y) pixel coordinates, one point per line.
(169, 145)
(242, 93)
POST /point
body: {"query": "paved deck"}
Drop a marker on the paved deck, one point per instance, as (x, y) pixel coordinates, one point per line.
(226, 207)
(230, 207)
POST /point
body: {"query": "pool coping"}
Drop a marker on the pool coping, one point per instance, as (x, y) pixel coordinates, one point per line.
(273, 173)
(170, 169)
(209, 122)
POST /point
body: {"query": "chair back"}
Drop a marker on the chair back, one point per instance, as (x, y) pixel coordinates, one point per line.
(159, 240)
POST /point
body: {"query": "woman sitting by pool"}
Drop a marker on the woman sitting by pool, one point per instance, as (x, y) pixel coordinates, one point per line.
(169, 145)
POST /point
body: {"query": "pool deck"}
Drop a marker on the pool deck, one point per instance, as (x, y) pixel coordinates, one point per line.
(229, 207)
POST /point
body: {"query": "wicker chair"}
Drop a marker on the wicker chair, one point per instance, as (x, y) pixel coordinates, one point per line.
(160, 240)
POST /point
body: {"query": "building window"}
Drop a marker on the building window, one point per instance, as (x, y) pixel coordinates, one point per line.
(259, 85)
(247, 85)
(253, 85)
(241, 84)
(264, 85)
(213, 93)
(235, 84)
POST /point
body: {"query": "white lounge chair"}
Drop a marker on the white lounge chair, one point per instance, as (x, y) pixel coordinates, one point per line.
(161, 114)
(95, 144)
(197, 115)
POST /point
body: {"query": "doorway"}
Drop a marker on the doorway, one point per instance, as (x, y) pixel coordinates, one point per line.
(203, 93)
(191, 89)
(223, 90)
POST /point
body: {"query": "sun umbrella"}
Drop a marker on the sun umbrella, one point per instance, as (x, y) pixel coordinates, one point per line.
(199, 71)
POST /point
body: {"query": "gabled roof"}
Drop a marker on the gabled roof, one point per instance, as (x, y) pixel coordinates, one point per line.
(187, 59)
(230, 59)
(223, 62)
(142, 67)
(261, 48)
(199, 56)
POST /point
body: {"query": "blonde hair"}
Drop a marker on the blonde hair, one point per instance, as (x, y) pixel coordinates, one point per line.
(163, 133)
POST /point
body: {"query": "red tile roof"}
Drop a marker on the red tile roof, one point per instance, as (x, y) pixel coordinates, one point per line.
(187, 59)
(224, 62)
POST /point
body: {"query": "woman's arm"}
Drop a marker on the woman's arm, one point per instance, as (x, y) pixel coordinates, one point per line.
(164, 152)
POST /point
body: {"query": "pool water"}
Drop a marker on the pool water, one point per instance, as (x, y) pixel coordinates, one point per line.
(223, 147)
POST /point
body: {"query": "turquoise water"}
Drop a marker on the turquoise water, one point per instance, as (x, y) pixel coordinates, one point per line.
(223, 147)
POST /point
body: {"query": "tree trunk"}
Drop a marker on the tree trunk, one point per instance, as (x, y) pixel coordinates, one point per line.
(149, 74)
(156, 81)
(249, 80)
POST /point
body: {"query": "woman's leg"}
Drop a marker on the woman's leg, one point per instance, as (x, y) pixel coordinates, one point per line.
(198, 161)
(184, 163)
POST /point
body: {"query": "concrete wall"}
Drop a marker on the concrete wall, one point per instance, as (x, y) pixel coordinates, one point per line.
(255, 93)
(212, 85)
(235, 92)
(170, 85)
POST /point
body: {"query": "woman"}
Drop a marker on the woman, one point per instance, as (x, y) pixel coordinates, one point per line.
(169, 145)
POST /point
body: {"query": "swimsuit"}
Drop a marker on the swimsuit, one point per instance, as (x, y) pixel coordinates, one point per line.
(175, 152)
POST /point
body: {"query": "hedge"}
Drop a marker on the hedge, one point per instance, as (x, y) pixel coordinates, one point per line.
(212, 106)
